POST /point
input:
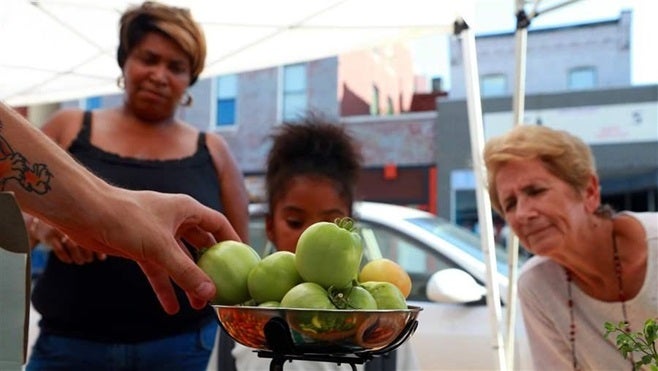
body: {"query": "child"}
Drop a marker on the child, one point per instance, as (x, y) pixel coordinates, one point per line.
(312, 173)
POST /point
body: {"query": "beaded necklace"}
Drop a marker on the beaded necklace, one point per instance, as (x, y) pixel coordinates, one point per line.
(622, 299)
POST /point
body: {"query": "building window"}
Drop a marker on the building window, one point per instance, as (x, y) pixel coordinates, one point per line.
(227, 89)
(581, 78)
(374, 101)
(493, 85)
(294, 92)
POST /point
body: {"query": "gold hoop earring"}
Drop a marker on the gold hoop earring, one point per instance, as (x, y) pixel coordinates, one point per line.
(187, 100)
(121, 82)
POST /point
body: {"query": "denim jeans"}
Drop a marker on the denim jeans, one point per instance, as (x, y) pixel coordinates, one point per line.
(188, 351)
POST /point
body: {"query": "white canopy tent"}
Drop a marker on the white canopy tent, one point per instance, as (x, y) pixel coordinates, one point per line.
(54, 50)
(61, 49)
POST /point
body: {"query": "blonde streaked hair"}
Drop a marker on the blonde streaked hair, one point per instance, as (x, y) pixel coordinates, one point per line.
(563, 154)
(173, 22)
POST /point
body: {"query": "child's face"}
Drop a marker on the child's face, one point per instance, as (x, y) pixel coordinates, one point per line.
(306, 201)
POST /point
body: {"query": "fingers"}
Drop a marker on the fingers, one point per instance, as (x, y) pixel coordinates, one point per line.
(196, 303)
(162, 286)
(208, 224)
(177, 264)
(203, 228)
(184, 249)
(184, 271)
(200, 226)
(68, 251)
(198, 238)
(78, 254)
(59, 251)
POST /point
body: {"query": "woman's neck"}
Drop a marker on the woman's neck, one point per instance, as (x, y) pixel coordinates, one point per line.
(596, 271)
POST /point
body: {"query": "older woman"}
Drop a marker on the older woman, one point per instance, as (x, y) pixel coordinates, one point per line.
(100, 313)
(591, 265)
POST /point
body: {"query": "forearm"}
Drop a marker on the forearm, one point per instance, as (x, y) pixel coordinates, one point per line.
(42, 176)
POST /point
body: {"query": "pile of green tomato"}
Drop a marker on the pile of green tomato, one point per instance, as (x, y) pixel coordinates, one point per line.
(323, 273)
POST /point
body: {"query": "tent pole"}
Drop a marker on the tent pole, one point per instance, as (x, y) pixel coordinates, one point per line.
(474, 106)
(522, 23)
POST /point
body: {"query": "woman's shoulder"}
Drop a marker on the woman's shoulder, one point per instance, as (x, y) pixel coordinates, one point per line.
(538, 271)
(538, 264)
(63, 125)
(64, 116)
(218, 147)
(215, 141)
(644, 217)
(635, 222)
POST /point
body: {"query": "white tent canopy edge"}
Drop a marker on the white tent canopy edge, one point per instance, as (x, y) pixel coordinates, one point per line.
(55, 50)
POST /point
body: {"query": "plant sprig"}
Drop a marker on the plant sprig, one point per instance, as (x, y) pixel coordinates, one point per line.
(643, 342)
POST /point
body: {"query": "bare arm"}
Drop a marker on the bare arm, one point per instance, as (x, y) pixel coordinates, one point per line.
(62, 127)
(234, 193)
(143, 226)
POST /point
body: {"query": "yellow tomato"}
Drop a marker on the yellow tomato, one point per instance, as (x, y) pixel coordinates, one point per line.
(386, 270)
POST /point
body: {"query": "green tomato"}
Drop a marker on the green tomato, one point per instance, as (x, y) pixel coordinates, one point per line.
(228, 264)
(270, 304)
(329, 254)
(354, 297)
(386, 294)
(273, 276)
(307, 295)
(321, 324)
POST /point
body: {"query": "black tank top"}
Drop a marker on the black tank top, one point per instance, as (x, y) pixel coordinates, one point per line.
(111, 300)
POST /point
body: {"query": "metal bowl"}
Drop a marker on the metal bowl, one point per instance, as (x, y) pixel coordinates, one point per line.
(323, 331)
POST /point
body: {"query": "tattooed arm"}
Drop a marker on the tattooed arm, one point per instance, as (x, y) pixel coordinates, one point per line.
(141, 225)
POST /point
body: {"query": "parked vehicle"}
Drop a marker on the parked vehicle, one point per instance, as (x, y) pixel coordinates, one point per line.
(444, 260)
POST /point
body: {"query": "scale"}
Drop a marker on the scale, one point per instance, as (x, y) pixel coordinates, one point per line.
(329, 335)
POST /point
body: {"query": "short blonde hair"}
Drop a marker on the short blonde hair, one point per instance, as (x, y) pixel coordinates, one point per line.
(175, 23)
(564, 155)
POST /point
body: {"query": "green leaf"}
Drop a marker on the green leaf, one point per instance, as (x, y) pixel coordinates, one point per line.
(641, 342)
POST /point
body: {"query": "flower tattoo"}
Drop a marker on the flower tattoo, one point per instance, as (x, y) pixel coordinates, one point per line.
(15, 167)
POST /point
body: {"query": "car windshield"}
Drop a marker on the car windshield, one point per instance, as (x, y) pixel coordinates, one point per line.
(464, 239)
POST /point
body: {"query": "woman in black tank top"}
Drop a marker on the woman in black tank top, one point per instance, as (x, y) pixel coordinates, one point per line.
(99, 312)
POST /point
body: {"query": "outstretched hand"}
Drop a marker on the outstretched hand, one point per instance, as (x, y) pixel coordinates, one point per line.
(149, 231)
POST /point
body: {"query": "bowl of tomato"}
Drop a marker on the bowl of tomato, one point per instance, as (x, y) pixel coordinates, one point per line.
(320, 331)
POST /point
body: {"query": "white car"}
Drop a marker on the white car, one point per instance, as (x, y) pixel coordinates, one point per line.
(453, 331)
